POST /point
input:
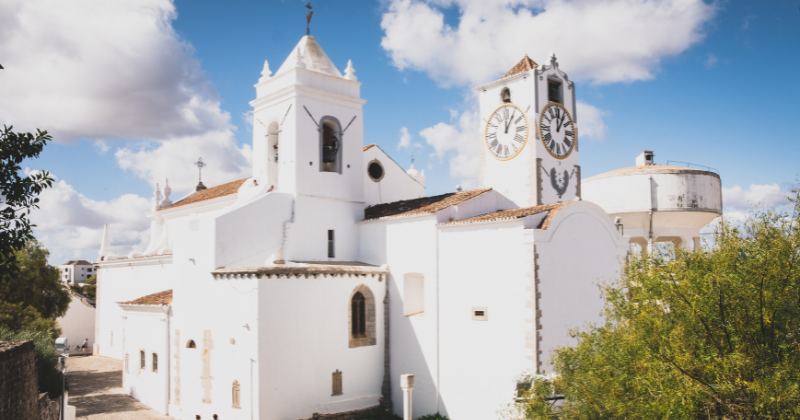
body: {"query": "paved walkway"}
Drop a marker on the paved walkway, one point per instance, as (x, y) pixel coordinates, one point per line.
(96, 391)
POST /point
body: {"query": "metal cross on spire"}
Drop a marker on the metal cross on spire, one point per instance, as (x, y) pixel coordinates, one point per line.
(308, 18)
(200, 165)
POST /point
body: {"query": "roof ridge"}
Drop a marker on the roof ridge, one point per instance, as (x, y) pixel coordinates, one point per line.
(526, 64)
(221, 190)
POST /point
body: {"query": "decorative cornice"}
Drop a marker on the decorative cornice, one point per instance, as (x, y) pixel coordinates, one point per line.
(310, 271)
(134, 262)
(504, 80)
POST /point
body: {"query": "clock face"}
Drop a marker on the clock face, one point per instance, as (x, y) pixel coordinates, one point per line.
(506, 132)
(557, 130)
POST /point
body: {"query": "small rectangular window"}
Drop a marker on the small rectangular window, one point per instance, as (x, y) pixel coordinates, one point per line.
(141, 359)
(554, 91)
(155, 362)
(480, 313)
(330, 244)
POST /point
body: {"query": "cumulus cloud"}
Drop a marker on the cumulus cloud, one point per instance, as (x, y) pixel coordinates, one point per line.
(100, 69)
(174, 159)
(590, 122)
(69, 224)
(405, 139)
(629, 37)
(457, 142)
(757, 196)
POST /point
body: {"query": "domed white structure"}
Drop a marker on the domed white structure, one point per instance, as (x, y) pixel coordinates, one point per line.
(657, 203)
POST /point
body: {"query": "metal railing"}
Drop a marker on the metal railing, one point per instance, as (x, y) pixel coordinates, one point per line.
(694, 166)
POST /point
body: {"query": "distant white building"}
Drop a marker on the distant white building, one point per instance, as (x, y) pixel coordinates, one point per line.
(312, 285)
(76, 272)
(78, 323)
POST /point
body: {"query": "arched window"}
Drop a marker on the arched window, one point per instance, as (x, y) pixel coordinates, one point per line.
(191, 345)
(330, 145)
(505, 95)
(273, 154)
(554, 93)
(358, 315)
(361, 310)
(155, 362)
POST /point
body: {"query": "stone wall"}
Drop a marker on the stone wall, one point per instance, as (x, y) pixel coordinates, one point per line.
(18, 387)
(348, 415)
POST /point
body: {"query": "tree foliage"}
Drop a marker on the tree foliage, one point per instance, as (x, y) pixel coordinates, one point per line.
(18, 193)
(34, 297)
(712, 334)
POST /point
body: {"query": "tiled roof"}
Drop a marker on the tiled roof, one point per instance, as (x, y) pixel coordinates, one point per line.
(524, 65)
(160, 298)
(78, 262)
(420, 205)
(210, 193)
(369, 146)
(519, 213)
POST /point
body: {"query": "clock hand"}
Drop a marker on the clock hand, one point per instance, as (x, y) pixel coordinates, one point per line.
(509, 121)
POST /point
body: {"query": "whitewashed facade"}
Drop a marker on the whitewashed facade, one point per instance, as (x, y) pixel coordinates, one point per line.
(312, 285)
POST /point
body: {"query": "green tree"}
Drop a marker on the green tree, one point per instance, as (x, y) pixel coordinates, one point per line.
(35, 294)
(18, 193)
(712, 334)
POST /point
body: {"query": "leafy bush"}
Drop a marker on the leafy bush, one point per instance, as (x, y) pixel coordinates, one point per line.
(47, 372)
(710, 334)
(436, 416)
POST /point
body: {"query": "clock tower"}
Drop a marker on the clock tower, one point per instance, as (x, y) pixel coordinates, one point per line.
(529, 135)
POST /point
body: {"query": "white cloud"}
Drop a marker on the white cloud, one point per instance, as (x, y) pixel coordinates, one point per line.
(68, 223)
(757, 196)
(629, 38)
(711, 61)
(590, 122)
(174, 159)
(102, 69)
(405, 139)
(457, 142)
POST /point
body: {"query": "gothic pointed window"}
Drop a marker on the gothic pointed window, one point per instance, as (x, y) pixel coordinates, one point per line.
(358, 312)
(362, 329)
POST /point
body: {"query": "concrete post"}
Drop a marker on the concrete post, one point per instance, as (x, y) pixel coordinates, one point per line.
(407, 383)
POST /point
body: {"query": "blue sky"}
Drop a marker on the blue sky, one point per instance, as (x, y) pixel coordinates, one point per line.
(133, 93)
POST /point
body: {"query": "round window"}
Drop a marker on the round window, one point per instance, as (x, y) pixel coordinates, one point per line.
(375, 170)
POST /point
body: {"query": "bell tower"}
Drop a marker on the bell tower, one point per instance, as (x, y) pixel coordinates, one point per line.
(529, 135)
(308, 127)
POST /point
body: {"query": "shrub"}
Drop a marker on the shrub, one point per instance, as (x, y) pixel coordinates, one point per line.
(47, 372)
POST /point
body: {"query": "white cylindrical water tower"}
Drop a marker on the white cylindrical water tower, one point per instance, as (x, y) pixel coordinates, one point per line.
(657, 203)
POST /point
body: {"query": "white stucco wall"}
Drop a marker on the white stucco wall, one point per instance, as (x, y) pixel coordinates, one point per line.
(482, 266)
(408, 246)
(78, 324)
(304, 339)
(580, 250)
(395, 185)
(146, 329)
(122, 283)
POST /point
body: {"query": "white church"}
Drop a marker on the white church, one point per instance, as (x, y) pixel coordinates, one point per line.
(307, 290)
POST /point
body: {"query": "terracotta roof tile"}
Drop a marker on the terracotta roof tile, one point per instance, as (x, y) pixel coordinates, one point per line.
(369, 146)
(210, 193)
(519, 213)
(524, 65)
(77, 262)
(160, 298)
(420, 205)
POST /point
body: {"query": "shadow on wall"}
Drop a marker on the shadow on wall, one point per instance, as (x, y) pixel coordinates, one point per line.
(406, 344)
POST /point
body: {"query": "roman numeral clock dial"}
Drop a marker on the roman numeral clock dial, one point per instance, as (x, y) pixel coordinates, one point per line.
(557, 130)
(506, 132)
